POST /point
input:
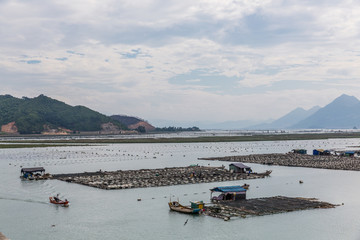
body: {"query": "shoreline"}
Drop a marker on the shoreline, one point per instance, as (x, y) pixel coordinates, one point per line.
(29, 141)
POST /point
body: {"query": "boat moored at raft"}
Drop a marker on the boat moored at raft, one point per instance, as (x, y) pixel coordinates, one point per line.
(177, 207)
(245, 186)
(265, 174)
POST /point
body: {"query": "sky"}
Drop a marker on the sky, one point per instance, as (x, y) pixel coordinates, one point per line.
(182, 60)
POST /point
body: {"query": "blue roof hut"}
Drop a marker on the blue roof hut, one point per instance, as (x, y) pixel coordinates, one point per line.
(321, 152)
(228, 193)
(28, 173)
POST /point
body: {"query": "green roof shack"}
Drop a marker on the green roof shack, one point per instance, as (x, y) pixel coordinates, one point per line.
(239, 168)
(299, 151)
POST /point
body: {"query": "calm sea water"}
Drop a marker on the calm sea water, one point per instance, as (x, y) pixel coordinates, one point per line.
(99, 214)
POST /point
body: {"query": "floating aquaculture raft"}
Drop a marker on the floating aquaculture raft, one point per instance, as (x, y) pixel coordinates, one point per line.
(297, 160)
(263, 206)
(154, 177)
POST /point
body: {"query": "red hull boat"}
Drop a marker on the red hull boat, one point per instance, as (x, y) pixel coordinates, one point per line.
(60, 202)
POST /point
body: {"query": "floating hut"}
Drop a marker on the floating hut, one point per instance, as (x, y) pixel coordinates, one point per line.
(349, 153)
(321, 152)
(31, 173)
(229, 193)
(239, 168)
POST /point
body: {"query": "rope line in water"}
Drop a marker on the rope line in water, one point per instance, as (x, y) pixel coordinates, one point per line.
(185, 194)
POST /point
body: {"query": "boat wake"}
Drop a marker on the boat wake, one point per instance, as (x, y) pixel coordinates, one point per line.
(23, 200)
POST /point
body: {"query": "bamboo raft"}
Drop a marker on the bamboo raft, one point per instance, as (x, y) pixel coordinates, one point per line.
(155, 177)
(263, 206)
(296, 160)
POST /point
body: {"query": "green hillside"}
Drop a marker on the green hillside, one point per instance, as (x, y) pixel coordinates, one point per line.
(31, 114)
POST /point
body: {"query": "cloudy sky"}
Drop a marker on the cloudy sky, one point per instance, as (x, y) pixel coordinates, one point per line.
(182, 60)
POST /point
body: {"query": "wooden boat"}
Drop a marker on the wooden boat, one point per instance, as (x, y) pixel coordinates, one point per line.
(245, 186)
(176, 206)
(64, 203)
(265, 174)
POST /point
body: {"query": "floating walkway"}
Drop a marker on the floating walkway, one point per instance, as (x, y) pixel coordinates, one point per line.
(155, 177)
(263, 206)
(297, 160)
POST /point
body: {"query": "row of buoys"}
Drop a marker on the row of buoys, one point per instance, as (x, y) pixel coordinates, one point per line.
(102, 153)
(185, 194)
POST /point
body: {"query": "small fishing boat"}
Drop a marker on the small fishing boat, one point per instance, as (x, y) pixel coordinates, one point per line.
(266, 173)
(176, 206)
(64, 203)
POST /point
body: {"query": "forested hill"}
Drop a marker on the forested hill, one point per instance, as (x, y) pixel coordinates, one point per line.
(134, 123)
(36, 115)
(127, 120)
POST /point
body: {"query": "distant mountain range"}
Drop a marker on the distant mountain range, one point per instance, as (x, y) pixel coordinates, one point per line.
(49, 116)
(289, 120)
(342, 113)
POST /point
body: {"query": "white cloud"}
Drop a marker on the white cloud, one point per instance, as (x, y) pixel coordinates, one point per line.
(120, 56)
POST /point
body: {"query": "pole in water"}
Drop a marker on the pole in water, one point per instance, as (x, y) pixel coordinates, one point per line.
(186, 222)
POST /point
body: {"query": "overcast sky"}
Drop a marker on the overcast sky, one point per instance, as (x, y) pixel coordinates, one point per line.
(182, 60)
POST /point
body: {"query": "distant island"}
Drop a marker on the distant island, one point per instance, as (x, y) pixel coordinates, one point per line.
(47, 116)
(177, 129)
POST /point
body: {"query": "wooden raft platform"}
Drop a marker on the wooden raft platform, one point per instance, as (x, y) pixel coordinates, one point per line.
(155, 177)
(296, 160)
(263, 206)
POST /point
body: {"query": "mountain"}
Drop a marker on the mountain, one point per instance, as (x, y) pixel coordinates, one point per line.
(134, 123)
(294, 117)
(342, 113)
(46, 115)
(288, 120)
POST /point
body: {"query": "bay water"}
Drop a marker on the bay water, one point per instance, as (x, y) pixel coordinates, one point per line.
(25, 211)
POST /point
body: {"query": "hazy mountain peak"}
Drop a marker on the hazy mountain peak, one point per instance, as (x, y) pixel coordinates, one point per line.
(346, 99)
(343, 112)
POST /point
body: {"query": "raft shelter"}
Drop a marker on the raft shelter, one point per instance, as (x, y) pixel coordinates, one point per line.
(30, 173)
(321, 152)
(239, 168)
(228, 193)
(299, 151)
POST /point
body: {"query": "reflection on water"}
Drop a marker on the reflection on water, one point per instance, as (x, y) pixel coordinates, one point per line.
(101, 214)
